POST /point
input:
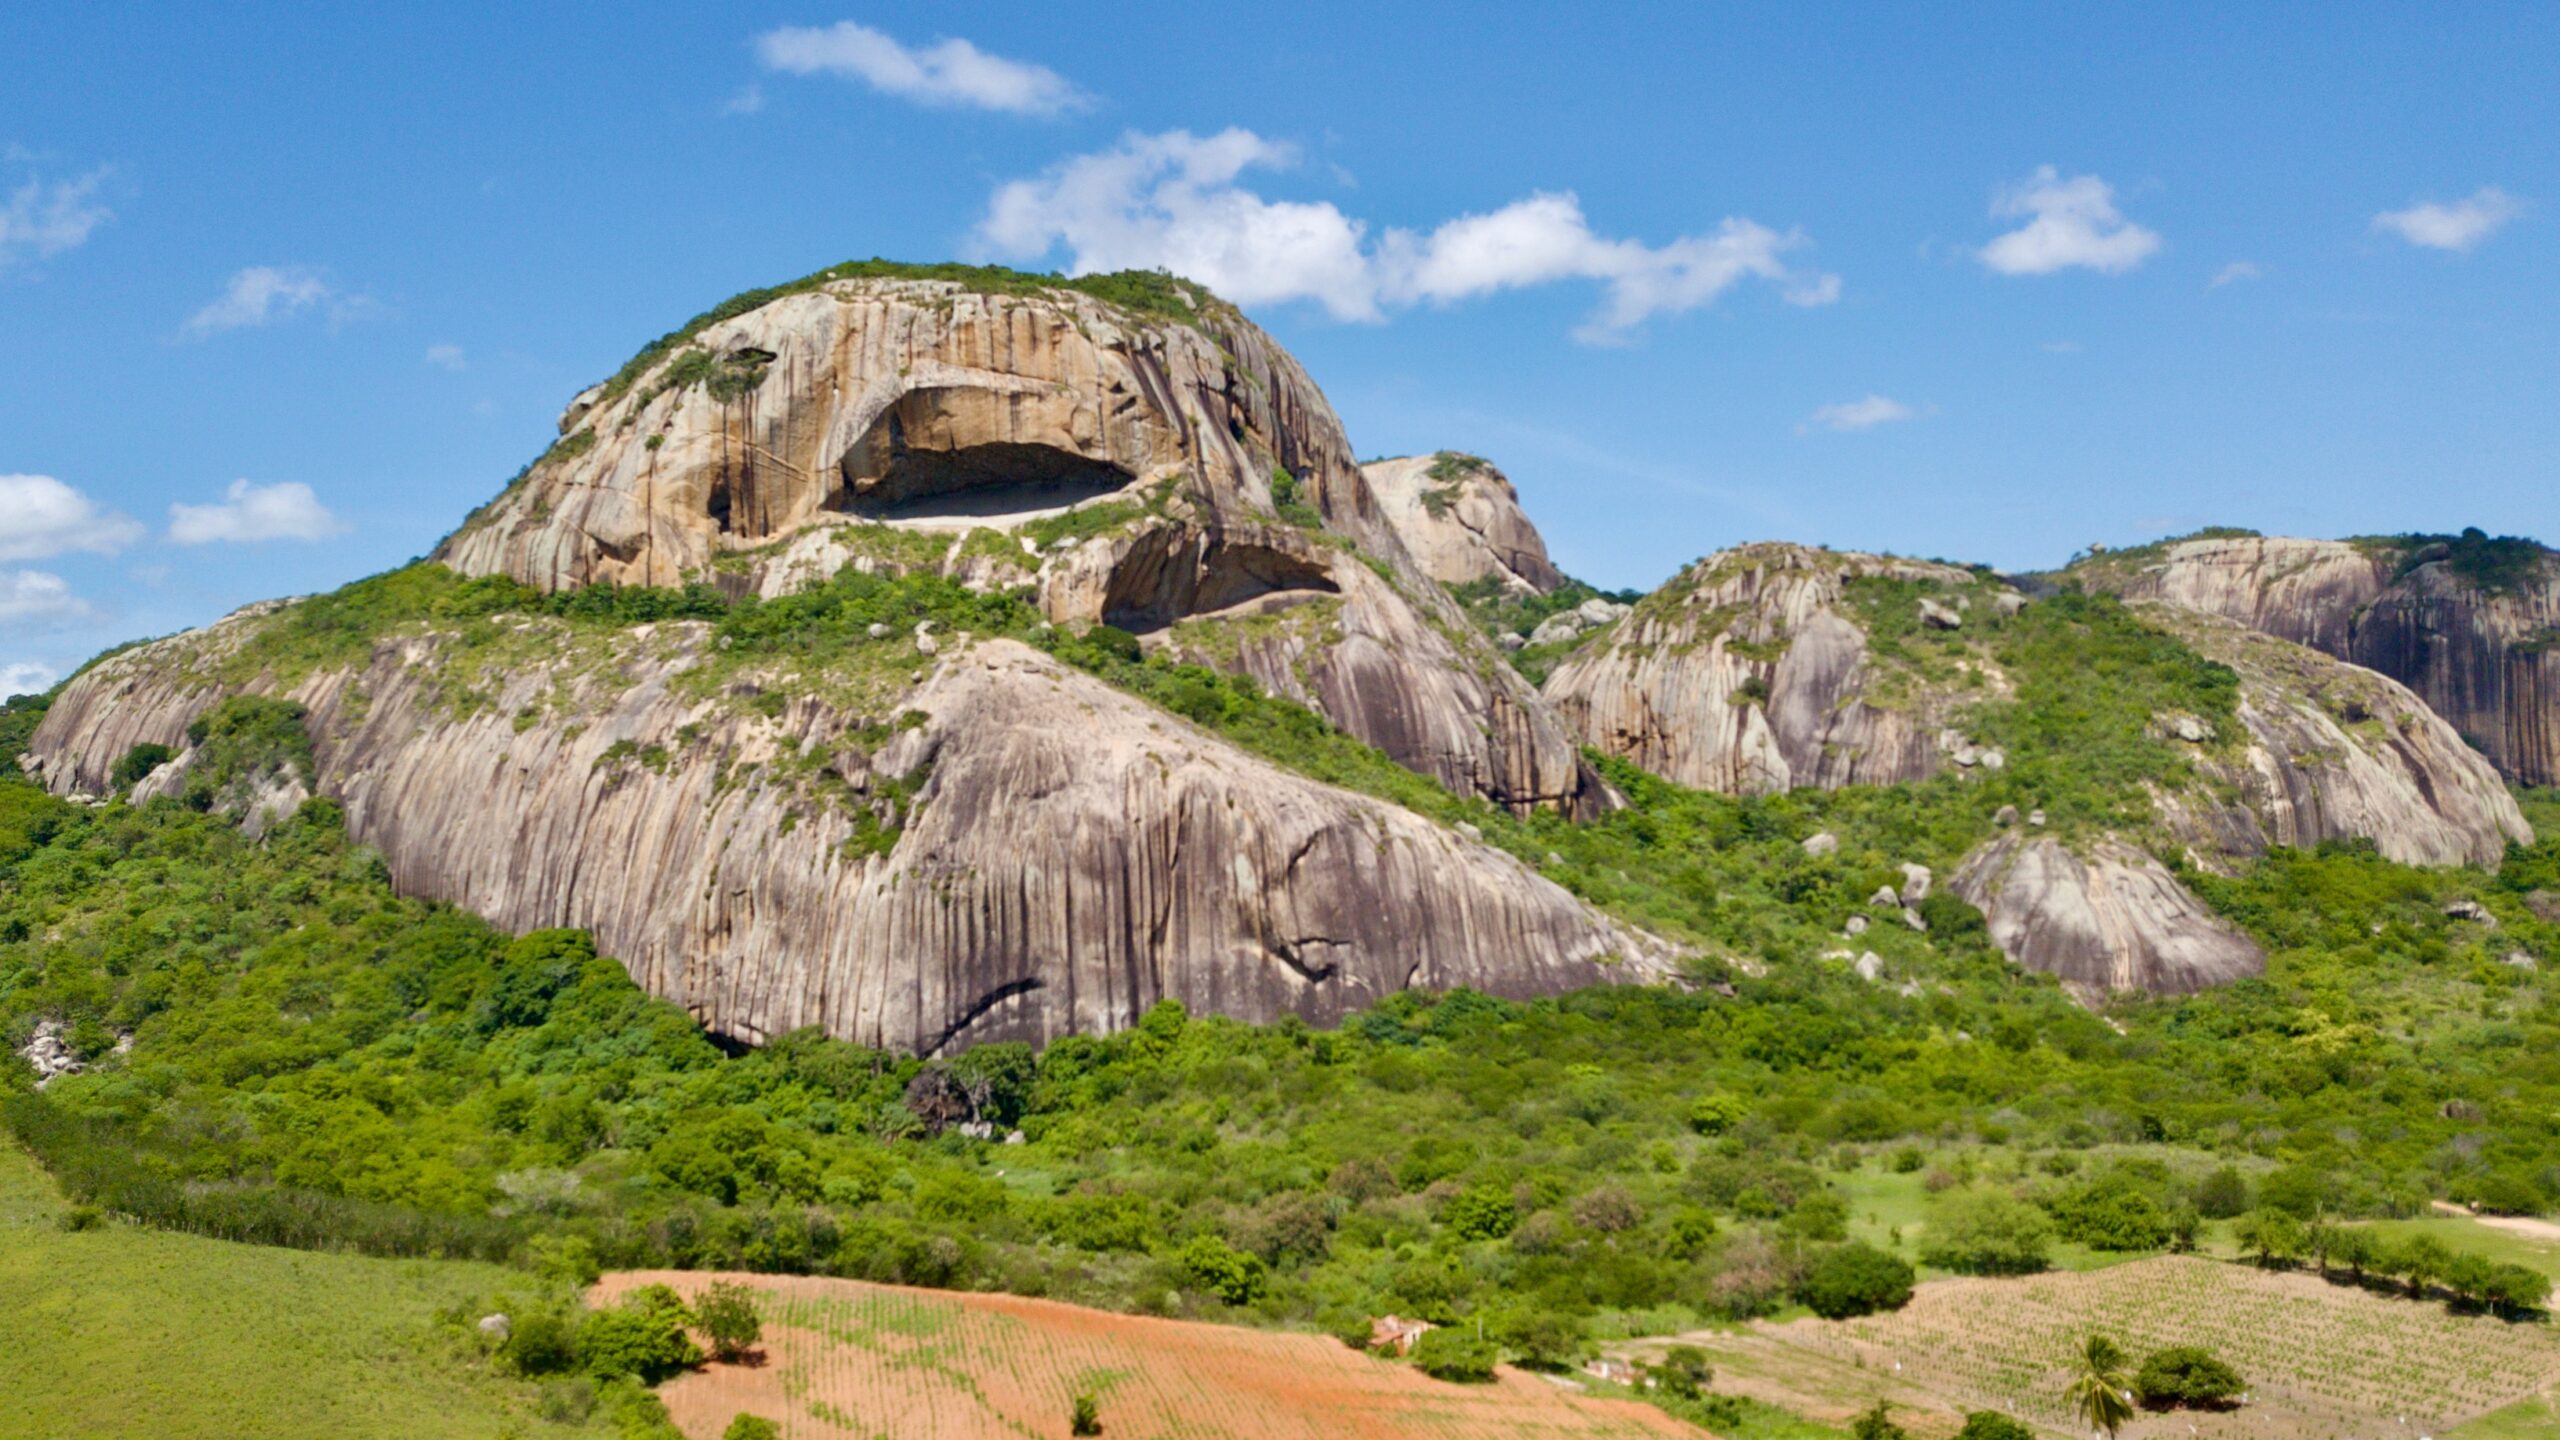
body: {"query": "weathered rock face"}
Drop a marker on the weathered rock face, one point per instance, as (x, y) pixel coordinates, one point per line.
(923, 409)
(2488, 663)
(1462, 521)
(2333, 751)
(1749, 675)
(2109, 919)
(1063, 855)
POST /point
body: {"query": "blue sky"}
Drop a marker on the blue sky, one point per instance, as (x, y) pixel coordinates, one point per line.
(1986, 286)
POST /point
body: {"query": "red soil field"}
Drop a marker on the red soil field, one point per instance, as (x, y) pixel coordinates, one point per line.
(842, 1358)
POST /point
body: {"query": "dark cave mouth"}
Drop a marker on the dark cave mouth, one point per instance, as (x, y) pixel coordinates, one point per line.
(995, 481)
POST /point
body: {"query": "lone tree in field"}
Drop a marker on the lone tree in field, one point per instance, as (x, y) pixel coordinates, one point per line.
(727, 1314)
(2099, 1392)
(1086, 1418)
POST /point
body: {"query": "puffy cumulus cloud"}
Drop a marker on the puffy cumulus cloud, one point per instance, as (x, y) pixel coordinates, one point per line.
(1865, 414)
(41, 516)
(264, 294)
(32, 597)
(947, 72)
(2071, 224)
(46, 217)
(1172, 201)
(2456, 227)
(284, 511)
(25, 677)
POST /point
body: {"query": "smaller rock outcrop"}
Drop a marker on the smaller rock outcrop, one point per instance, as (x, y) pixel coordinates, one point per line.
(1462, 520)
(1751, 673)
(2111, 918)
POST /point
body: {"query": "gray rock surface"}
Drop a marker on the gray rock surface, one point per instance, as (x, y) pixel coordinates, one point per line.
(2487, 663)
(1461, 519)
(1071, 857)
(2109, 919)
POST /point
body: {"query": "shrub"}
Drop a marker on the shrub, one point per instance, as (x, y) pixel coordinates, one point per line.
(2222, 1194)
(1683, 1371)
(2186, 1375)
(2110, 1213)
(1986, 1231)
(744, 1426)
(1877, 1424)
(643, 1337)
(1484, 1212)
(727, 1314)
(1992, 1425)
(1857, 1279)
(1454, 1353)
(1085, 1417)
(1222, 1270)
(541, 1342)
(136, 763)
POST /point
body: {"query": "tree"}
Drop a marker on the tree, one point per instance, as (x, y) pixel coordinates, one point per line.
(2186, 1375)
(2518, 1290)
(1857, 1279)
(2274, 1236)
(2099, 1393)
(2222, 1195)
(2354, 1247)
(1683, 1371)
(727, 1314)
(1484, 1212)
(1992, 1425)
(1086, 1417)
(644, 1337)
(755, 1427)
(1454, 1352)
(1224, 1271)
(1877, 1424)
(1716, 1113)
(1986, 1231)
(2421, 1262)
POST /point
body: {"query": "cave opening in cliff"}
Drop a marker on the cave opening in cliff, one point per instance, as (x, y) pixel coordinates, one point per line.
(1150, 590)
(954, 456)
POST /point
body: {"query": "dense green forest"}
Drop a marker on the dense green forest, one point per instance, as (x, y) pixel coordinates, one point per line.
(315, 1060)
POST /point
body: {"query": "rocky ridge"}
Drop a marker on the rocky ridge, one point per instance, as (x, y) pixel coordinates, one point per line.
(1020, 852)
(2484, 657)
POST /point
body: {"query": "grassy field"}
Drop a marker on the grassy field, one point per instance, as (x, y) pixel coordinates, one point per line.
(846, 1360)
(2322, 1360)
(1890, 1211)
(117, 1332)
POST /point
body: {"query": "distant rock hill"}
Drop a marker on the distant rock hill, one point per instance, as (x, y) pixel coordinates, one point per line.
(924, 838)
(2471, 623)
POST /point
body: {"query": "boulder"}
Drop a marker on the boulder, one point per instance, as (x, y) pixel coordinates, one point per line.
(1938, 615)
(1915, 883)
(2109, 917)
(1822, 843)
(1461, 519)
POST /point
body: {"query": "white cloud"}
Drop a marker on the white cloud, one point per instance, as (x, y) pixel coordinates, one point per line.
(745, 102)
(2237, 270)
(25, 677)
(263, 294)
(447, 357)
(41, 516)
(1864, 414)
(1170, 201)
(2456, 227)
(947, 72)
(30, 597)
(45, 218)
(284, 511)
(2071, 223)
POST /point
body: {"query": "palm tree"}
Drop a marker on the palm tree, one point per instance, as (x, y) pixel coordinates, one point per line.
(2099, 1392)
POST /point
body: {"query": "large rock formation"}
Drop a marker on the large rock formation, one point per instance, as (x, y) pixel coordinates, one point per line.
(2485, 657)
(1019, 852)
(2330, 751)
(1748, 674)
(2106, 917)
(1166, 465)
(1462, 521)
